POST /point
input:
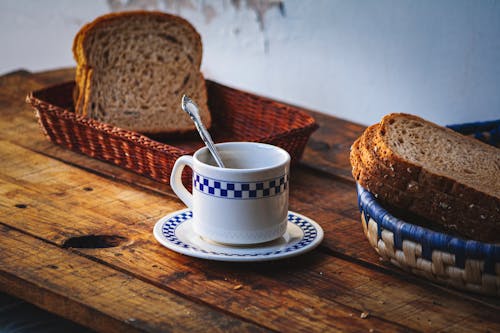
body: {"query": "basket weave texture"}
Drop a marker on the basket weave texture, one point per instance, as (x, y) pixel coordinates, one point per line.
(464, 264)
(237, 116)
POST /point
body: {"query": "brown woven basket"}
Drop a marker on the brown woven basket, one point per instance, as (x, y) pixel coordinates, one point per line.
(237, 116)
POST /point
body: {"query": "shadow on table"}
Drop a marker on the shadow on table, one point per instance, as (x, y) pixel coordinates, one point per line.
(19, 316)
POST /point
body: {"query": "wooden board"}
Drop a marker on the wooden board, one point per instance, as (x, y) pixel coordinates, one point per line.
(49, 197)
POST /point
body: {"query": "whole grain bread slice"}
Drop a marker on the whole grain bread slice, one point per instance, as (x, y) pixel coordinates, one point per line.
(431, 208)
(134, 67)
(413, 180)
(414, 187)
(400, 177)
(450, 206)
(442, 158)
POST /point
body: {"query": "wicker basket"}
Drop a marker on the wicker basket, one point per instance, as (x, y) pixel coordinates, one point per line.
(464, 264)
(237, 116)
(486, 131)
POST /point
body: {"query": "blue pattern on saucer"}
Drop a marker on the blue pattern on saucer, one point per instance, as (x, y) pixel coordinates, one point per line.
(309, 230)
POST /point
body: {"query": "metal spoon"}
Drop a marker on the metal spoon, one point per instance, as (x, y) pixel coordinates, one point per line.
(192, 110)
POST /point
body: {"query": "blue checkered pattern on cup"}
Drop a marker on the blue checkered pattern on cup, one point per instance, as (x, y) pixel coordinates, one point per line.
(237, 190)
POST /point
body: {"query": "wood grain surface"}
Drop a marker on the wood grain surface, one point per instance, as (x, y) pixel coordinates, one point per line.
(76, 239)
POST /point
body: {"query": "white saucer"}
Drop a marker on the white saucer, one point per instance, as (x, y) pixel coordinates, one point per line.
(175, 231)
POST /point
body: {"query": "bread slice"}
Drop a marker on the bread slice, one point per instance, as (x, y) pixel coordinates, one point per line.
(134, 67)
(400, 175)
(375, 171)
(433, 209)
(415, 185)
(464, 166)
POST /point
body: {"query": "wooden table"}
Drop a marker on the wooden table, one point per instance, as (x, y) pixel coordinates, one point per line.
(120, 279)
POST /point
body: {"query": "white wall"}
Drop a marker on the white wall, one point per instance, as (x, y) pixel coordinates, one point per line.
(357, 60)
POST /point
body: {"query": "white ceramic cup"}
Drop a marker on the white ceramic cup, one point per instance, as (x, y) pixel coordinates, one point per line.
(244, 203)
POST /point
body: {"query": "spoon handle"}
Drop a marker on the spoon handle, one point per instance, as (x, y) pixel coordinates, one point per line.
(191, 109)
(208, 142)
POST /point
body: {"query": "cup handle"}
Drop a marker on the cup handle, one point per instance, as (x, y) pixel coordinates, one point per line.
(176, 180)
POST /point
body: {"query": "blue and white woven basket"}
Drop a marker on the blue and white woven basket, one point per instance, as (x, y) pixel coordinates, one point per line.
(465, 264)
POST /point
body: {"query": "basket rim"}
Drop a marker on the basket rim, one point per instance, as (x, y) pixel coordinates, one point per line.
(472, 127)
(134, 137)
(479, 128)
(429, 239)
(33, 98)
